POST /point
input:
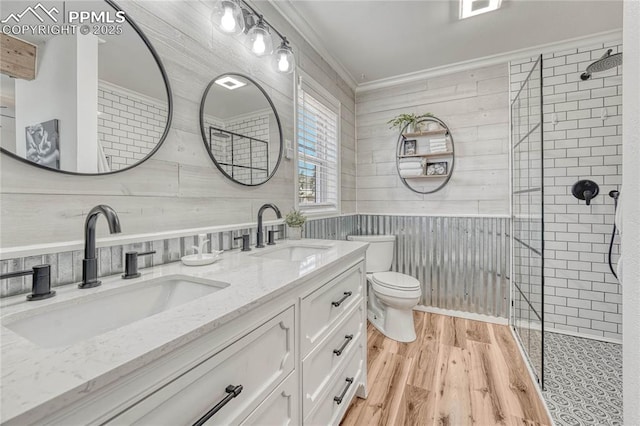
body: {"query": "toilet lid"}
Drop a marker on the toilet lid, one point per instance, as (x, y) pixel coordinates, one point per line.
(395, 281)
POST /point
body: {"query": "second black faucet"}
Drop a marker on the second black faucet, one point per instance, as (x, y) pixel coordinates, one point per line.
(260, 236)
(90, 262)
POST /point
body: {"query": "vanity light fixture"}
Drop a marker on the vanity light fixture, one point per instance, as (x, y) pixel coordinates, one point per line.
(230, 83)
(237, 17)
(227, 17)
(469, 8)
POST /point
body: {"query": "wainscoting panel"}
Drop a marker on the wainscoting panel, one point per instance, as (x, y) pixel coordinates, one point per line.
(462, 262)
(332, 228)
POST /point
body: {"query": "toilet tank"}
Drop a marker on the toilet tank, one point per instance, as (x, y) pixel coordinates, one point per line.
(379, 252)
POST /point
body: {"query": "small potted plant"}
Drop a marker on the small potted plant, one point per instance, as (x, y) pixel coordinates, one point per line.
(294, 220)
(411, 121)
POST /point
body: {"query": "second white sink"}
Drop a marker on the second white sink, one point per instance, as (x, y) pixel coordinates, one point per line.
(294, 253)
(80, 319)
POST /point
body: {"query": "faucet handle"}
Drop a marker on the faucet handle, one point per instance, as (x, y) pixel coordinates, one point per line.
(246, 243)
(131, 263)
(41, 283)
(270, 237)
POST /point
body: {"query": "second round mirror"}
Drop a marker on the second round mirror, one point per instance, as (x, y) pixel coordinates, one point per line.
(241, 129)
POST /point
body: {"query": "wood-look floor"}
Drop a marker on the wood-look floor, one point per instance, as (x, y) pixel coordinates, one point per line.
(457, 372)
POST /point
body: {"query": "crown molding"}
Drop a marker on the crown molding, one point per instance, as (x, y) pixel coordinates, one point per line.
(288, 10)
(111, 86)
(614, 35)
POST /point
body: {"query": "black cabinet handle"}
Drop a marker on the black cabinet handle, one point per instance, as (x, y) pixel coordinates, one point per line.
(338, 399)
(339, 302)
(232, 391)
(348, 338)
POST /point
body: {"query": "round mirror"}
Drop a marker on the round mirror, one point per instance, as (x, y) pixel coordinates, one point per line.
(241, 129)
(83, 91)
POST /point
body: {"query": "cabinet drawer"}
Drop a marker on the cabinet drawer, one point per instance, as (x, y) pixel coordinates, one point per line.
(280, 408)
(326, 306)
(328, 411)
(259, 362)
(320, 367)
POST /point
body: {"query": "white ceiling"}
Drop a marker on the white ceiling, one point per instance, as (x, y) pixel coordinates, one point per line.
(224, 104)
(384, 39)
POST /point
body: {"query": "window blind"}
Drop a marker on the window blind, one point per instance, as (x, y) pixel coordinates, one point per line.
(317, 138)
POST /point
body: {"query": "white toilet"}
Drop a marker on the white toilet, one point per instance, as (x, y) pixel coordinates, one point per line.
(392, 296)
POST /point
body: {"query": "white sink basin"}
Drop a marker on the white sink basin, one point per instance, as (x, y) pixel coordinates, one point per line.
(80, 319)
(294, 253)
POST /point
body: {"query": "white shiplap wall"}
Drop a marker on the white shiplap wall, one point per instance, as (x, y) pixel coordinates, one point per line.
(475, 106)
(179, 187)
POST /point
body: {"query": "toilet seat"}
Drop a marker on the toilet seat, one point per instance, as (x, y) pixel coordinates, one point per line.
(395, 281)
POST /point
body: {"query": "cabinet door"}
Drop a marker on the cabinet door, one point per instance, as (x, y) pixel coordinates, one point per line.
(321, 365)
(280, 408)
(258, 362)
(333, 403)
(326, 306)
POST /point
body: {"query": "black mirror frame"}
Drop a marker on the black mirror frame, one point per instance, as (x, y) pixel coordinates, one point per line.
(169, 107)
(204, 133)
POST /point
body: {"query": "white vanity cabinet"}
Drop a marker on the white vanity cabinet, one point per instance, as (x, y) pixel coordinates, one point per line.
(334, 346)
(300, 359)
(258, 363)
(280, 408)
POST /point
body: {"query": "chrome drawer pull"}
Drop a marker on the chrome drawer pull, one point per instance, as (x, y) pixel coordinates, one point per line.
(338, 399)
(339, 302)
(348, 338)
(232, 392)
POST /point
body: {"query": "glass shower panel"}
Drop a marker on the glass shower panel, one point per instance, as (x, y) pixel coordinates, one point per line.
(527, 316)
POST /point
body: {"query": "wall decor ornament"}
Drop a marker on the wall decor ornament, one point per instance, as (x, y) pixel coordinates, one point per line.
(432, 148)
(42, 144)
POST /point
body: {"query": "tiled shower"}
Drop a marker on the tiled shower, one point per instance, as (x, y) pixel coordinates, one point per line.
(582, 140)
(563, 283)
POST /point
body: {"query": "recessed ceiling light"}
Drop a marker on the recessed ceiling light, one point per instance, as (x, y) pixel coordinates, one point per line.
(230, 83)
(469, 8)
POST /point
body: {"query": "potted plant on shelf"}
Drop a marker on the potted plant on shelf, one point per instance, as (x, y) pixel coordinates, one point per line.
(294, 220)
(412, 122)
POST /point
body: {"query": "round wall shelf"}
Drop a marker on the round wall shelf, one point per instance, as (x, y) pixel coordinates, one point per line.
(425, 160)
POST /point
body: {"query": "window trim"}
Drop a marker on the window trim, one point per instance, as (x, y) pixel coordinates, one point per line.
(331, 102)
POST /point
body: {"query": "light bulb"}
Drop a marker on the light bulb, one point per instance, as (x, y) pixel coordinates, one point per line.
(283, 63)
(258, 45)
(283, 60)
(227, 22)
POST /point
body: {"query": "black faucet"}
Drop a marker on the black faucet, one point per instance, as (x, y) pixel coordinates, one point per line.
(90, 263)
(260, 239)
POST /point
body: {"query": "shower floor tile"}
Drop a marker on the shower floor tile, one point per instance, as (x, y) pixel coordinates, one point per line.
(583, 380)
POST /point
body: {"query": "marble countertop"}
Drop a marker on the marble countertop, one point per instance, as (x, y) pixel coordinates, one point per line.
(36, 378)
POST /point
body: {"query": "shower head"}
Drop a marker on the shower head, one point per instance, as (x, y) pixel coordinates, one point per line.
(606, 62)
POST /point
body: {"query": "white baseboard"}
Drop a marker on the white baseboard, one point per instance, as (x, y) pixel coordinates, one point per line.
(584, 335)
(462, 314)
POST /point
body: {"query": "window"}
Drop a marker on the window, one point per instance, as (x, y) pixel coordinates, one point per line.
(318, 143)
